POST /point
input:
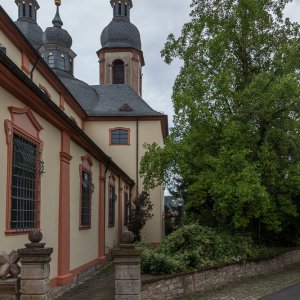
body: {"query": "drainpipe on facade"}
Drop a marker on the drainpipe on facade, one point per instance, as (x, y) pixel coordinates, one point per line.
(34, 67)
(107, 168)
(137, 158)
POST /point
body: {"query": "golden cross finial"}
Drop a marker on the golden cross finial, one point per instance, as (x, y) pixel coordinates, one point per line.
(57, 2)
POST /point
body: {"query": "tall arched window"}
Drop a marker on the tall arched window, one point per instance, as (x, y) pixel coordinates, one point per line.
(24, 9)
(120, 8)
(30, 10)
(118, 72)
(61, 63)
(126, 10)
(51, 60)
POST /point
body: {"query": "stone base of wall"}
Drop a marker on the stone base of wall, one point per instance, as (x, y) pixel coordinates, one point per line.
(177, 285)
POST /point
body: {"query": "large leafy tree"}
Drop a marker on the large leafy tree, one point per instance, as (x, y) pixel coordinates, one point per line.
(235, 145)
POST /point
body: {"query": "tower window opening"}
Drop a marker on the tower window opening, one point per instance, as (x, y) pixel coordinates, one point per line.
(24, 9)
(71, 65)
(120, 8)
(51, 61)
(118, 72)
(30, 10)
(126, 10)
(61, 63)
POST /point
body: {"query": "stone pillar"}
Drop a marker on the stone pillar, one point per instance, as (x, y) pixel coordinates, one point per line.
(128, 272)
(35, 269)
(10, 289)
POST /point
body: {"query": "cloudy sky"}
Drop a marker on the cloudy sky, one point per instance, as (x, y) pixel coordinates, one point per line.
(155, 19)
(85, 21)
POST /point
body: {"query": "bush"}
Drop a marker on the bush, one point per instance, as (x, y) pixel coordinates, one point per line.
(194, 246)
(139, 214)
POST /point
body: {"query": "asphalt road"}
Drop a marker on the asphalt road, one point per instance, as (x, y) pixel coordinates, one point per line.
(289, 293)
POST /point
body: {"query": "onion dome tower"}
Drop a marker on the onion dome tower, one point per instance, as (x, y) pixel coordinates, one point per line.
(56, 48)
(121, 58)
(27, 16)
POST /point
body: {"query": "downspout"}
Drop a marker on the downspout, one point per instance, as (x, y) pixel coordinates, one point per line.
(107, 168)
(137, 158)
(34, 67)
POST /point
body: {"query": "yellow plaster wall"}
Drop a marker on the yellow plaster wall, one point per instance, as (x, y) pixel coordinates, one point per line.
(125, 157)
(84, 243)
(16, 56)
(49, 183)
(11, 50)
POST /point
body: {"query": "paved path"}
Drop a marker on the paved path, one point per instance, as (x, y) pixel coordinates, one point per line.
(258, 287)
(290, 293)
(99, 287)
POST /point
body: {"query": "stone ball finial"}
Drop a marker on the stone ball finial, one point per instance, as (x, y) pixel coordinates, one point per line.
(128, 237)
(35, 236)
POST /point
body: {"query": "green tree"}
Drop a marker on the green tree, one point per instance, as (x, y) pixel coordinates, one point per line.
(236, 137)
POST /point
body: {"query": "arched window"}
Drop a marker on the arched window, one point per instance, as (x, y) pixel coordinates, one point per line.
(118, 72)
(126, 10)
(30, 10)
(51, 60)
(120, 8)
(61, 63)
(71, 66)
(24, 9)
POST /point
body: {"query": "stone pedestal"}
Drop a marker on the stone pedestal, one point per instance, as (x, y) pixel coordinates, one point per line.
(10, 289)
(127, 272)
(35, 271)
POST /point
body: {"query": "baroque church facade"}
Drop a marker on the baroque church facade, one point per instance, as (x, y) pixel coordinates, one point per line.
(70, 152)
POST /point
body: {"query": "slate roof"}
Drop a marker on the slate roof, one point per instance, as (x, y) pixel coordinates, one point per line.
(106, 100)
(120, 33)
(32, 31)
(111, 99)
(85, 95)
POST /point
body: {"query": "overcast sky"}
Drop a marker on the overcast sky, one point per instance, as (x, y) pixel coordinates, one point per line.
(155, 19)
(85, 21)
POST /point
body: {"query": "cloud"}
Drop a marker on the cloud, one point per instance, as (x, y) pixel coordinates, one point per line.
(85, 21)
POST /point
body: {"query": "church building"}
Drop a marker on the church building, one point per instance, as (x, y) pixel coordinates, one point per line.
(70, 152)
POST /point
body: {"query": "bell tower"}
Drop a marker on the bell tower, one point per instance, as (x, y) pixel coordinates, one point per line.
(121, 57)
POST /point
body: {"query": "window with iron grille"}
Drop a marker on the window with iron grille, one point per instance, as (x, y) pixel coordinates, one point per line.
(86, 200)
(112, 198)
(24, 184)
(118, 72)
(119, 137)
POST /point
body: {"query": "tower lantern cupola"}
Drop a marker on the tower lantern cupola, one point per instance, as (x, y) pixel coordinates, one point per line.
(121, 57)
(121, 8)
(27, 16)
(57, 43)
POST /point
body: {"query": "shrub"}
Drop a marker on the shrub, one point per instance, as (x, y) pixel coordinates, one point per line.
(139, 214)
(194, 246)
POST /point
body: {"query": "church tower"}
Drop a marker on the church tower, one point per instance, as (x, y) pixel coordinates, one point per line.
(56, 48)
(27, 16)
(121, 58)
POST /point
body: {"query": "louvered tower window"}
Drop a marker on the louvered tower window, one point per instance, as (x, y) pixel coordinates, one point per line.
(118, 72)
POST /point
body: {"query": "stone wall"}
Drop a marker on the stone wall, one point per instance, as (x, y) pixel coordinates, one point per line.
(176, 285)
